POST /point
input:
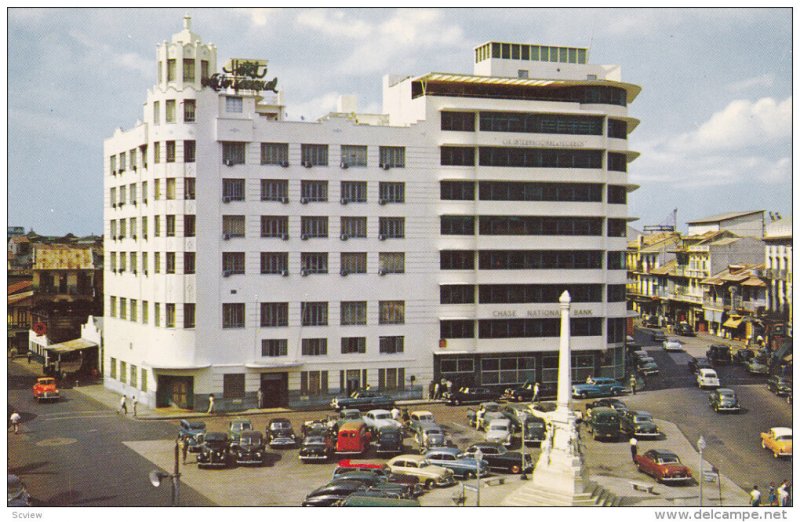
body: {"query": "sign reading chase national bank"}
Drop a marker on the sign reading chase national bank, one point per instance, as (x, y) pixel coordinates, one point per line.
(539, 313)
(543, 143)
(242, 74)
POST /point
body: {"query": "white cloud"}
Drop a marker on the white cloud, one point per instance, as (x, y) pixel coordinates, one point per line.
(259, 16)
(760, 82)
(47, 127)
(98, 52)
(314, 108)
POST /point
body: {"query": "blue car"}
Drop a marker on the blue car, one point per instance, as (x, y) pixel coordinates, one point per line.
(463, 466)
(192, 432)
(597, 387)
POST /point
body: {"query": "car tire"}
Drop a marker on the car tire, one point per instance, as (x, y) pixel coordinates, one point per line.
(469, 475)
(763, 445)
(615, 392)
(515, 469)
(583, 395)
(430, 483)
(519, 398)
(457, 402)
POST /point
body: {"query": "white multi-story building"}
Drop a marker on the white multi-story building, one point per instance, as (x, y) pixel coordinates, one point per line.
(307, 259)
(778, 263)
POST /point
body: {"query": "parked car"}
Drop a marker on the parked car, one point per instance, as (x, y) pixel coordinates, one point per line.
(333, 492)
(647, 366)
(672, 345)
(597, 387)
(388, 440)
(215, 451)
(698, 363)
(520, 393)
(719, 354)
(707, 378)
(637, 423)
(616, 404)
(501, 459)
(429, 435)
(638, 355)
(779, 385)
(250, 448)
(535, 430)
(280, 433)
(317, 446)
(659, 336)
(724, 399)
(378, 468)
(662, 465)
(757, 366)
(604, 424)
(742, 355)
(420, 467)
(378, 418)
(778, 441)
(469, 395)
(378, 481)
(46, 389)
(192, 433)
(17, 493)
(462, 466)
(476, 418)
(353, 438)
(419, 417)
(359, 499)
(363, 400)
(499, 430)
(346, 415)
(684, 329)
(236, 427)
(542, 409)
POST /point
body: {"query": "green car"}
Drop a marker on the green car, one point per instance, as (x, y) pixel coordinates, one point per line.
(604, 424)
(236, 427)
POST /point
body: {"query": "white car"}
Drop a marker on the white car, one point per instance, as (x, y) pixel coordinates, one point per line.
(376, 419)
(499, 430)
(672, 345)
(707, 378)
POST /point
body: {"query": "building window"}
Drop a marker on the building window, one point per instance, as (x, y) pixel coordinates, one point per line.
(170, 262)
(233, 315)
(392, 262)
(457, 225)
(517, 293)
(539, 226)
(144, 192)
(313, 191)
(354, 191)
(170, 114)
(533, 191)
(156, 153)
(391, 344)
(132, 192)
(617, 194)
(233, 226)
(188, 111)
(274, 226)
(189, 152)
(157, 314)
(144, 380)
(145, 312)
(171, 70)
(156, 113)
(314, 154)
(134, 310)
(188, 69)
(457, 329)
(122, 162)
(354, 263)
(540, 158)
(234, 104)
(274, 314)
(274, 347)
(170, 184)
(458, 121)
(354, 344)
(145, 265)
(617, 227)
(232, 189)
(314, 262)
(616, 260)
(157, 262)
(615, 293)
(113, 365)
(539, 259)
(189, 263)
(132, 157)
(123, 308)
(507, 370)
(170, 315)
(457, 156)
(170, 225)
(392, 157)
(354, 226)
(189, 223)
(391, 378)
(541, 123)
(233, 386)
(274, 190)
(354, 155)
(314, 226)
(457, 260)
(123, 371)
(457, 294)
(274, 153)
(274, 262)
(233, 263)
(353, 313)
(391, 192)
(203, 69)
(313, 383)
(314, 313)
(314, 347)
(457, 191)
(392, 227)
(233, 152)
(391, 312)
(617, 129)
(617, 162)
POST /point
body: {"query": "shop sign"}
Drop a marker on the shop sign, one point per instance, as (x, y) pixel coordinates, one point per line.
(539, 314)
(242, 75)
(543, 143)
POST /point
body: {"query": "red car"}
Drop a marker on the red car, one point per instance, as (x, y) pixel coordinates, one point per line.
(663, 465)
(45, 389)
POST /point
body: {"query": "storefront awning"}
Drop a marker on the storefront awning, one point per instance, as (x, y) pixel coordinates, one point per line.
(733, 322)
(71, 346)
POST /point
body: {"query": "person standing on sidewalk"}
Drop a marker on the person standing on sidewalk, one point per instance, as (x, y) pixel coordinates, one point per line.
(634, 448)
(15, 420)
(211, 404)
(123, 405)
(633, 384)
(535, 393)
(183, 445)
(755, 497)
(260, 398)
(134, 402)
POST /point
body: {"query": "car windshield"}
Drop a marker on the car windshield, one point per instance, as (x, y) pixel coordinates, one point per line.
(251, 439)
(498, 427)
(315, 440)
(784, 437)
(280, 425)
(668, 459)
(726, 395)
(383, 416)
(643, 418)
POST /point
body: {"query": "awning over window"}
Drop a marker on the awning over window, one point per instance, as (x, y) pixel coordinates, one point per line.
(733, 322)
(71, 346)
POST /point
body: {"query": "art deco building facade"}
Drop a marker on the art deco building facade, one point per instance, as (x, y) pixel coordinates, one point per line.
(307, 259)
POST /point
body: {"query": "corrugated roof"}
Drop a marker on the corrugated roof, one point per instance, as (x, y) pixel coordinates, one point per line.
(19, 286)
(63, 257)
(666, 268)
(723, 217)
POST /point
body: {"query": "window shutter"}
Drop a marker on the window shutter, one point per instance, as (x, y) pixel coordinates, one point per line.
(381, 378)
(364, 378)
(324, 380)
(401, 378)
(341, 381)
(303, 383)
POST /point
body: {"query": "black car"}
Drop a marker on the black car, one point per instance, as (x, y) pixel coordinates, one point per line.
(638, 424)
(317, 446)
(699, 363)
(192, 432)
(615, 404)
(535, 430)
(280, 433)
(724, 399)
(215, 451)
(659, 336)
(685, 330)
(374, 480)
(469, 395)
(779, 385)
(334, 491)
(743, 356)
(249, 449)
(719, 354)
(500, 458)
(388, 440)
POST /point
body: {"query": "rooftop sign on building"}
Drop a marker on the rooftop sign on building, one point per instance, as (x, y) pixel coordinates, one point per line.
(242, 74)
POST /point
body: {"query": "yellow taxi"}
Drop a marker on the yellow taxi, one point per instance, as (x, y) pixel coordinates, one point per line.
(778, 441)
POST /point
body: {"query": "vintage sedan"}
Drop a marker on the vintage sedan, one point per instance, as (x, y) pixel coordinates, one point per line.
(640, 424)
(463, 466)
(501, 459)
(379, 481)
(476, 418)
(388, 440)
(192, 433)
(250, 448)
(742, 355)
(779, 385)
(317, 446)
(724, 399)
(647, 366)
(662, 465)
(778, 441)
(237, 426)
(215, 451)
(499, 430)
(429, 436)
(469, 395)
(696, 364)
(419, 417)
(659, 336)
(376, 419)
(333, 492)
(280, 433)
(45, 389)
(520, 393)
(420, 467)
(707, 378)
(597, 387)
(363, 400)
(376, 467)
(684, 329)
(757, 366)
(719, 354)
(615, 404)
(672, 345)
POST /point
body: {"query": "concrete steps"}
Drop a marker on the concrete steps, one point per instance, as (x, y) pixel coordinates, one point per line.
(528, 496)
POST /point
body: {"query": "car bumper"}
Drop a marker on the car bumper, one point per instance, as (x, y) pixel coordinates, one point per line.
(212, 463)
(282, 443)
(728, 408)
(669, 480)
(314, 457)
(645, 434)
(446, 481)
(249, 459)
(648, 372)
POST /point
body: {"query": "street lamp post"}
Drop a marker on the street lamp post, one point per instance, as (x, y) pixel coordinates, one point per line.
(701, 445)
(478, 459)
(522, 419)
(157, 476)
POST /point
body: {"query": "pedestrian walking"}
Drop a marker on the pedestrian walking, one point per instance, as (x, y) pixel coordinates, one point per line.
(260, 398)
(783, 494)
(211, 404)
(436, 391)
(134, 403)
(634, 448)
(123, 405)
(431, 390)
(395, 413)
(755, 496)
(535, 392)
(449, 386)
(183, 445)
(29, 356)
(633, 384)
(772, 495)
(15, 420)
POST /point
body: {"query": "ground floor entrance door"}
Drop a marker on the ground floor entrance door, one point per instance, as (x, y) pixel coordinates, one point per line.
(352, 380)
(173, 390)
(274, 390)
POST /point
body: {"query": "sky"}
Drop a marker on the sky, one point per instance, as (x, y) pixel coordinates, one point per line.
(715, 107)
